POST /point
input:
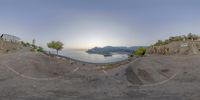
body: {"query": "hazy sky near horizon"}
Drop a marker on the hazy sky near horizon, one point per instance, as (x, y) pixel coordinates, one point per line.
(89, 23)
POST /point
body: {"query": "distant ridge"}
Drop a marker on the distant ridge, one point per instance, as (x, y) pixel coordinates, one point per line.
(108, 50)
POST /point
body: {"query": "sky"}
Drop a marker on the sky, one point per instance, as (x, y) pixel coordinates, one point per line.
(90, 23)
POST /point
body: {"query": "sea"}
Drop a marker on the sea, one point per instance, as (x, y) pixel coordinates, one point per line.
(82, 55)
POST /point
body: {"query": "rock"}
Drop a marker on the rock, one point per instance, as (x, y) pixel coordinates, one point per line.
(176, 48)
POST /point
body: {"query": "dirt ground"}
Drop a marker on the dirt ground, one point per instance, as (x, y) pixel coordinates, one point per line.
(26, 75)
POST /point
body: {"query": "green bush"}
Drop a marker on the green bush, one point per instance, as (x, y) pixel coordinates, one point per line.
(40, 49)
(140, 52)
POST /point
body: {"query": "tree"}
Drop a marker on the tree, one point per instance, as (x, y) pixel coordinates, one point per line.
(28, 44)
(23, 43)
(192, 36)
(57, 45)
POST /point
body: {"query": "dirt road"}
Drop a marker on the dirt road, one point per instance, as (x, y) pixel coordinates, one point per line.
(26, 75)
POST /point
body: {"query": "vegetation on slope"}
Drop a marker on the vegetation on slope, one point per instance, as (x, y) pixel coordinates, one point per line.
(176, 45)
(190, 36)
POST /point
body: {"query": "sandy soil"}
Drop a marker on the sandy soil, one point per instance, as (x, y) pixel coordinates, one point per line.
(26, 75)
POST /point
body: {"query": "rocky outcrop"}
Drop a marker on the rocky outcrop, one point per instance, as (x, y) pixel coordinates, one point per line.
(6, 46)
(176, 48)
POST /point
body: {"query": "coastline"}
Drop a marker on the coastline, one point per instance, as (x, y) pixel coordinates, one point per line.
(84, 62)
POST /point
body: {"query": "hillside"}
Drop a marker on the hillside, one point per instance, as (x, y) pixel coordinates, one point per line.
(108, 50)
(6, 46)
(176, 45)
(176, 48)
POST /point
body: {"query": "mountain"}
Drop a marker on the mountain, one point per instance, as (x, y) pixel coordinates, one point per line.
(108, 50)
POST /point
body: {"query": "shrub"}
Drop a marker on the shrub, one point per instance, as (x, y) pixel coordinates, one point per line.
(40, 49)
(23, 43)
(28, 44)
(140, 52)
(34, 46)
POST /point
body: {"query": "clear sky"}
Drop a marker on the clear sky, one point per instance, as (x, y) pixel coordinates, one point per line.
(89, 23)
